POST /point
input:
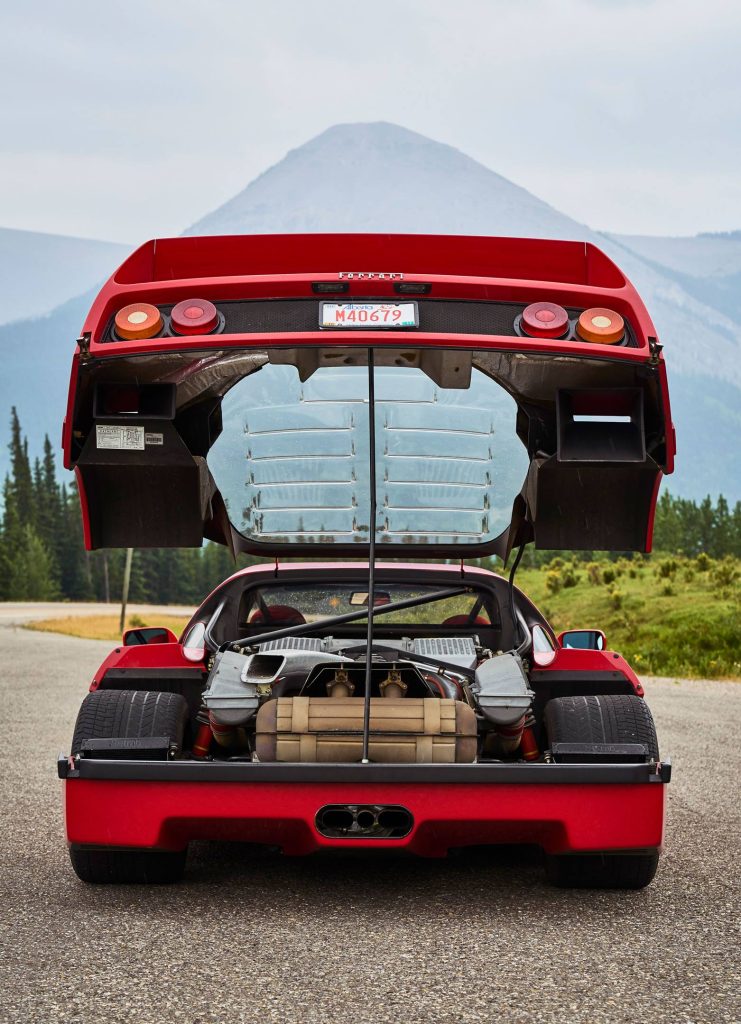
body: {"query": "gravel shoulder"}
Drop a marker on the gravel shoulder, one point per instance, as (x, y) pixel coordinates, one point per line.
(477, 937)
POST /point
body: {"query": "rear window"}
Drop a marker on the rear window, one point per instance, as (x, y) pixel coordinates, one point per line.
(292, 461)
(275, 606)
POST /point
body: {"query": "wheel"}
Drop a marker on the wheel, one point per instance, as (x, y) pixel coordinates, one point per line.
(602, 871)
(125, 713)
(119, 714)
(607, 718)
(101, 866)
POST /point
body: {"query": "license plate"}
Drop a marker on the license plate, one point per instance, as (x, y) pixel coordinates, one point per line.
(356, 315)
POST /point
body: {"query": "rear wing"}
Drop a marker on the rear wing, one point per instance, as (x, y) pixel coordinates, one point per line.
(145, 401)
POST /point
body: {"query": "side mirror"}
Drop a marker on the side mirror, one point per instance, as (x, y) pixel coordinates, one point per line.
(583, 640)
(543, 650)
(194, 643)
(148, 635)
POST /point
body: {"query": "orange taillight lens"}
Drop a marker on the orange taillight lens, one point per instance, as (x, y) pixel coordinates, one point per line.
(138, 320)
(604, 326)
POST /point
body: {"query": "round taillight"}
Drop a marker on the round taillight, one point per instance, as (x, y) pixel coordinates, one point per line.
(544, 320)
(138, 320)
(604, 326)
(194, 316)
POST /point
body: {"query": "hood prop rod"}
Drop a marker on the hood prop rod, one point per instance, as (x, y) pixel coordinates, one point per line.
(371, 552)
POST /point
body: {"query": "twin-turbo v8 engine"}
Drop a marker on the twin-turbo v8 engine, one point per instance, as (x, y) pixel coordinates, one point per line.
(437, 698)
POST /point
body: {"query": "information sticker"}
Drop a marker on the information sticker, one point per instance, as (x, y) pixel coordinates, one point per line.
(119, 437)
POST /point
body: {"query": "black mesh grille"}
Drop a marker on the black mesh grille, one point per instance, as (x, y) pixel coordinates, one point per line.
(437, 316)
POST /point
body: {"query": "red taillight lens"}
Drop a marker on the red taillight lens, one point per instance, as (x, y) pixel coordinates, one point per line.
(194, 316)
(544, 320)
(604, 326)
(138, 320)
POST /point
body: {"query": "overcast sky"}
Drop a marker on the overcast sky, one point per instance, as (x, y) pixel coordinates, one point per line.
(125, 121)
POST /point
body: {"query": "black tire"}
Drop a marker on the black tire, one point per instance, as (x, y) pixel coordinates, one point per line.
(607, 718)
(128, 713)
(602, 871)
(142, 867)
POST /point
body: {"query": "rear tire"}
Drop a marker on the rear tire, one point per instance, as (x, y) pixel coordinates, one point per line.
(607, 718)
(131, 713)
(118, 714)
(602, 871)
(136, 867)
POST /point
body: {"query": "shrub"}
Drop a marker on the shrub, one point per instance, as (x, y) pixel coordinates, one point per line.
(616, 598)
(724, 573)
(667, 590)
(569, 576)
(135, 622)
(553, 582)
(667, 568)
(594, 573)
(703, 562)
(608, 575)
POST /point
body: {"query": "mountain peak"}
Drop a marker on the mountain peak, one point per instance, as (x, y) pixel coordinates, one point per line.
(378, 176)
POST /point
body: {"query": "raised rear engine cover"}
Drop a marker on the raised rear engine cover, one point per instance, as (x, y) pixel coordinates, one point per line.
(422, 730)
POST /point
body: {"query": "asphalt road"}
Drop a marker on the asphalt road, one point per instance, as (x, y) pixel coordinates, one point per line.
(347, 939)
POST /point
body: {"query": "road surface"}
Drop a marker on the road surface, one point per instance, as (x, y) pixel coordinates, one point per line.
(349, 939)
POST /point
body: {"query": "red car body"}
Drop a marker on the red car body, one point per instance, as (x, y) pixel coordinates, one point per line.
(593, 806)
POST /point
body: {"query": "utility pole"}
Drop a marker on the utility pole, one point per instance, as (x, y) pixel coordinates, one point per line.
(106, 581)
(125, 592)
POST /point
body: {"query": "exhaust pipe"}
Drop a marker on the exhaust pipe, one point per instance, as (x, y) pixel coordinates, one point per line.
(363, 821)
(335, 819)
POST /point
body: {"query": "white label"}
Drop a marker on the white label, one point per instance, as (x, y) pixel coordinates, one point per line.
(154, 439)
(359, 315)
(121, 438)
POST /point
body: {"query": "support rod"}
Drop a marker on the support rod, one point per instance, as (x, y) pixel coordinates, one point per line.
(371, 551)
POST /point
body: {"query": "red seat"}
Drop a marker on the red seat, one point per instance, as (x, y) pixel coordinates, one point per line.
(462, 620)
(277, 615)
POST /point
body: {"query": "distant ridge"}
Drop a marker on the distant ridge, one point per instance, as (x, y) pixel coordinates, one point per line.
(39, 271)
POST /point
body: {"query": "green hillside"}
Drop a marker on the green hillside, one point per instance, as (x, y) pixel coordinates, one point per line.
(669, 616)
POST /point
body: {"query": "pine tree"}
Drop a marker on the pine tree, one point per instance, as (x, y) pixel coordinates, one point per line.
(20, 476)
(30, 573)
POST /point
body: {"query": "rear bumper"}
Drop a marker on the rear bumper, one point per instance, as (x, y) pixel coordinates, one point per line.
(562, 808)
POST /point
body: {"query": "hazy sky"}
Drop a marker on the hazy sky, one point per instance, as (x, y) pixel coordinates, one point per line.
(128, 120)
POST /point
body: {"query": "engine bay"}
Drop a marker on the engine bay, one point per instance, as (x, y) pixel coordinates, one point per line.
(423, 690)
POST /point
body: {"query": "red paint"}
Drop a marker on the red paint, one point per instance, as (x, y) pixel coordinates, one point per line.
(233, 267)
(560, 818)
(573, 660)
(86, 534)
(145, 656)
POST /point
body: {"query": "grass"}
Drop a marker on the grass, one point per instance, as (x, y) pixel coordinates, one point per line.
(667, 616)
(105, 627)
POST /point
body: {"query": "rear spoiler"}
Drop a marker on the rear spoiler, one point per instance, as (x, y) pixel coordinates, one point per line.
(595, 419)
